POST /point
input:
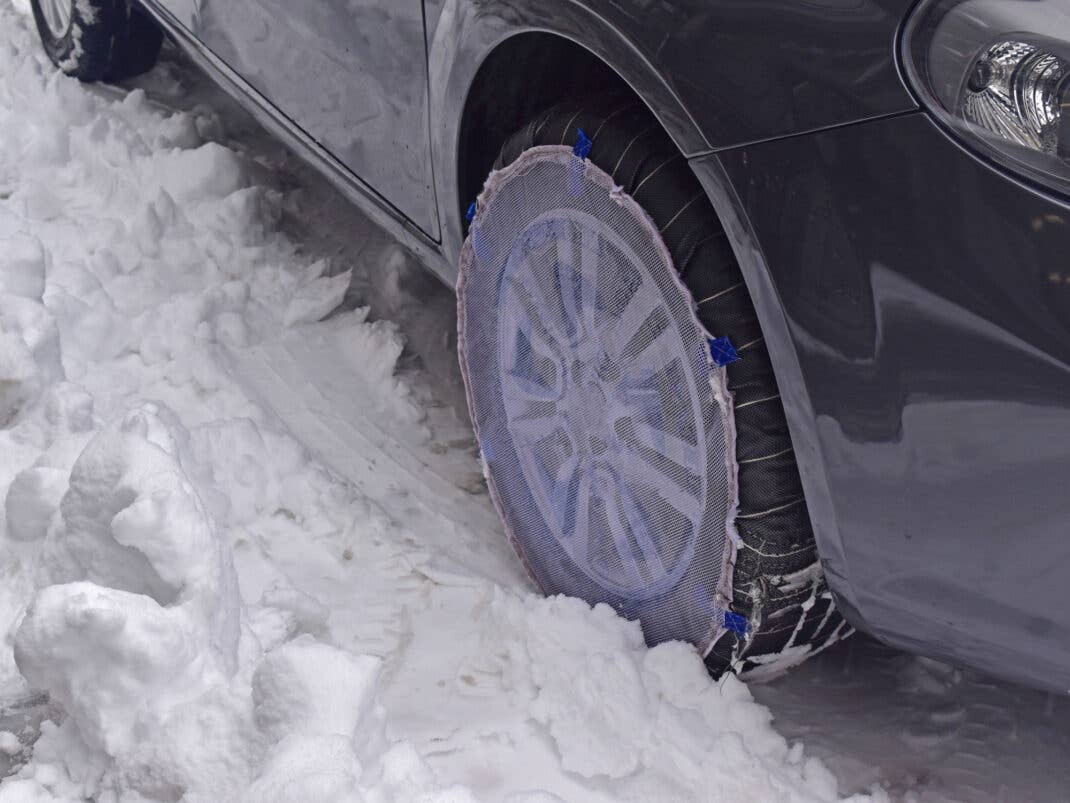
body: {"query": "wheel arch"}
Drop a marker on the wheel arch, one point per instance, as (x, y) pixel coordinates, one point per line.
(533, 57)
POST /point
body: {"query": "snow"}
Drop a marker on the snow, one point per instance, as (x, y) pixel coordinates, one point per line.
(247, 551)
(9, 743)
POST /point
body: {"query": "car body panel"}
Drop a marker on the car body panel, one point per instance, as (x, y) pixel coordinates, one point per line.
(916, 301)
(353, 188)
(351, 73)
(707, 98)
(750, 70)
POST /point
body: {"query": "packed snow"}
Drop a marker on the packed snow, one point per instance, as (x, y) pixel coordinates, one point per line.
(246, 553)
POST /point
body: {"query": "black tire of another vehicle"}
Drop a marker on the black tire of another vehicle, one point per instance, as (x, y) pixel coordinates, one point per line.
(778, 586)
(106, 40)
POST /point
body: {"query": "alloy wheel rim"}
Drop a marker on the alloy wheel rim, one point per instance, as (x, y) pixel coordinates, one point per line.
(570, 389)
(57, 14)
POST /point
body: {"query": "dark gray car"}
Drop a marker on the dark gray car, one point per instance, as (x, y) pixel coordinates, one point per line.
(764, 305)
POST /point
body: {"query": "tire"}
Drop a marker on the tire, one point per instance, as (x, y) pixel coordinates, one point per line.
(778, 588)
(104, 40)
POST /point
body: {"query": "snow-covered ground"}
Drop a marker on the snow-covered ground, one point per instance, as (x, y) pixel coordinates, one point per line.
(246, 550)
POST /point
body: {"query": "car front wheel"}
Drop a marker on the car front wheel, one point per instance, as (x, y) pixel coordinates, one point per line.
(631, 426)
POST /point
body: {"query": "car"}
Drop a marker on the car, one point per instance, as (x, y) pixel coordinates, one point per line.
(763, 306)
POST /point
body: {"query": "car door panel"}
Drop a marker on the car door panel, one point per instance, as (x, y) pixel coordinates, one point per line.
(351, 73)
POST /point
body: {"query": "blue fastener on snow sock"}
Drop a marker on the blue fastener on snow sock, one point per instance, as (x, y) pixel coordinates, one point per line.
(469, 216)
(583, 145)
(722, 351)
(736, 623)
(581, 150)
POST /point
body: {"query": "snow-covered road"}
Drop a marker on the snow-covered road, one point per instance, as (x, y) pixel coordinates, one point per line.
(238, 487)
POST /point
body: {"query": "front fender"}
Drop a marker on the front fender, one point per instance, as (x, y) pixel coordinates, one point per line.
(463, 33)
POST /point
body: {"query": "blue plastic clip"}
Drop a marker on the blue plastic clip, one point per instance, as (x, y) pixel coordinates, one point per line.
(487, 451)
(736, 623)
(722, 351)
(583, 145)
(470, 215)
(581, 150)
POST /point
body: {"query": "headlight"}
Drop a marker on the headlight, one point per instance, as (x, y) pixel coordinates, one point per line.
(998, 73)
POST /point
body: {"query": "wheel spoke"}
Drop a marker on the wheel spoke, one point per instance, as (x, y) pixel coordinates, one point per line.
(582, 523)
(534, 375)
(631, 528)
(532, 425)
(563, 498)
(571, 314)
(640, 528)
(530, 322)
(649, 438)
(576, 284)
(587, 265)
(618, 531)
(643, 313)
(655, 335)
(652, 399)
(57, 15)
(530, 386)
(679, 498)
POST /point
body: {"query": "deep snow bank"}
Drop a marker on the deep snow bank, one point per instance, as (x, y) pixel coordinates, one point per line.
(217, 616)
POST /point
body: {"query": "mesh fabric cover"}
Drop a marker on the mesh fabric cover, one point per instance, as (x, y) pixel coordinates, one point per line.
(602, 422)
